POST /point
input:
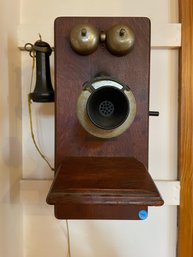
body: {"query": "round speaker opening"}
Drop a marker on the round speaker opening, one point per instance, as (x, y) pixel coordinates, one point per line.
(107, 107)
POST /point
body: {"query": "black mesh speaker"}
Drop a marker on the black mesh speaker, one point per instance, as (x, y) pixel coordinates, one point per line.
(107, 107)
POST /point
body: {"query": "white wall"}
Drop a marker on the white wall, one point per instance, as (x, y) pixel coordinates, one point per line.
(45, 12)
(10, 128)
(37, 232)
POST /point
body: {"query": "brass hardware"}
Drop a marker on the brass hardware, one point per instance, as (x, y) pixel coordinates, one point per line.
(120, 39)
(106, 107)
(103, 36)
(84, 38)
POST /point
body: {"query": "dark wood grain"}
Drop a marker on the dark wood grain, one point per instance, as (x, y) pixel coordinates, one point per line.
(72, 70)
(98, 211)
(114, 182)
(101, 178)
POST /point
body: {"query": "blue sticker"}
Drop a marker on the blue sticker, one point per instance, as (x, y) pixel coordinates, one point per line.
(143, 214)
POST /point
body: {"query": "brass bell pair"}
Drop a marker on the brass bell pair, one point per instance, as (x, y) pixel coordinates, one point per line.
(85, 38)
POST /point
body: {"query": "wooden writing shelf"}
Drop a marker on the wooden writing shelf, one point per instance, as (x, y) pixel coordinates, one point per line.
(102, 188)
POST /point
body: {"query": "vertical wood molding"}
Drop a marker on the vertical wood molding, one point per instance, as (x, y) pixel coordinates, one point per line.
(186, 131)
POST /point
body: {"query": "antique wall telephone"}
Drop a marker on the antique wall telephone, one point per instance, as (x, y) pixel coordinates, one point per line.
(101, 119)
(43, 90)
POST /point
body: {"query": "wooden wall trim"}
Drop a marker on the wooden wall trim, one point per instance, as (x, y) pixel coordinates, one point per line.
(33, 191)
(185, 246)
(163, 35)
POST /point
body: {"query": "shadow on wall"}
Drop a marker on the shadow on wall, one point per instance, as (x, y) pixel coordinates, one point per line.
(46, 109)
(90, 238)
(11, 148)
(101, 240)
(13, 157)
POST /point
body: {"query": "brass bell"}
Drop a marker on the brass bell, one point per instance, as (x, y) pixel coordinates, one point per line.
(84, 38)
(120, 39)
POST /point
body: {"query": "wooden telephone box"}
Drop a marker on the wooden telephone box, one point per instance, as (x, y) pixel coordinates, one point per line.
(102, 172)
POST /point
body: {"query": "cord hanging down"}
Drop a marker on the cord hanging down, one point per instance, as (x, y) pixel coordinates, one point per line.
(33, 55)
(30, 115)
